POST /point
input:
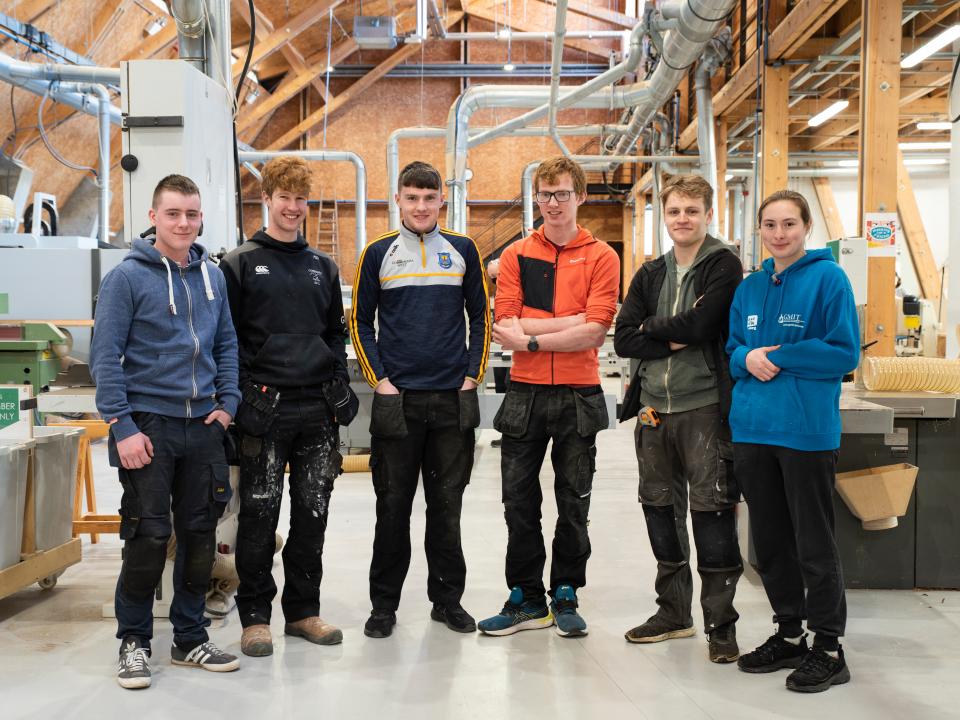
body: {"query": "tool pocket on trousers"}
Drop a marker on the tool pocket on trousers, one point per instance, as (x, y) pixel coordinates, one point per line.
(469, 401)
(130, 508)
(591, 414)
(220, 490)
(386, 417)
(514, 414)
(586, 468)
(727, 489)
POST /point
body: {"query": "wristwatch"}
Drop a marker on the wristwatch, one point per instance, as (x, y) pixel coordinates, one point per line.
(532, 344)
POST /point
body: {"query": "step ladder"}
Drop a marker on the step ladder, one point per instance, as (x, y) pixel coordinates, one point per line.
(328, 228)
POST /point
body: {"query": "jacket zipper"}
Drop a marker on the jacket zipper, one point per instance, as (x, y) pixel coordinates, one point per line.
(423, 252)
(666, 374)
(556, 269)
(196, 342)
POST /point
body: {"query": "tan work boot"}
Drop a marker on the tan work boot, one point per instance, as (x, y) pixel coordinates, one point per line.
(315, 630)
(256, 641)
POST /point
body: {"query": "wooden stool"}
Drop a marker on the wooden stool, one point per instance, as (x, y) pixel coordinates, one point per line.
(89, 522)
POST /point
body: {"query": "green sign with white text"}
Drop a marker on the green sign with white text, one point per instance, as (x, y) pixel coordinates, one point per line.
(9, 407)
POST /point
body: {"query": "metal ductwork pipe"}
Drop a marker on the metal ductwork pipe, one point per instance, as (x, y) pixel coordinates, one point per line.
(330, 156)
(219, 47)
(13, 69)
(103, 128)
(191, 31)
(55, 90)
(706, 131)
(697, 22)
(393, 150)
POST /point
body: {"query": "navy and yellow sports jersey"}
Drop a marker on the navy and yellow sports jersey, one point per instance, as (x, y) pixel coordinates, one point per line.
(417, 287)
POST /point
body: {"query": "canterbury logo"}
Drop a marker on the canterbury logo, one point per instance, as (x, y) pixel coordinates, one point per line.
(262, 270)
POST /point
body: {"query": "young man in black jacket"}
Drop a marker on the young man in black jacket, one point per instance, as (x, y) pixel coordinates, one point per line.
(675, 321)
(288, 310)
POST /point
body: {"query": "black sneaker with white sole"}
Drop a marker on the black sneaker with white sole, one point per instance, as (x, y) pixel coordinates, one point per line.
(818, 671)
(775, 653)
(207, 656)
(133, 670)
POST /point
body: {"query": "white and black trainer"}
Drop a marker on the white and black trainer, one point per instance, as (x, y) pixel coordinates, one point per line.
(207, 656)
(133, 669)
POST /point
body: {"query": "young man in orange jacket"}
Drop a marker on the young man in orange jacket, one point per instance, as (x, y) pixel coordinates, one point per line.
(556, 297)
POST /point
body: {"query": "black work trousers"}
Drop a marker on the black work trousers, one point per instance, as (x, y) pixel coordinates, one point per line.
(790, 497)
(187, 475)
(428, 432)
(304, 436)
(529, 418)
(688, 460)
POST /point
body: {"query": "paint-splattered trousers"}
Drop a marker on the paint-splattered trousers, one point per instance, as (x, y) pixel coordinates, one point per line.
(305, 437)
(690, 451)
(529, 418)
(428, 432)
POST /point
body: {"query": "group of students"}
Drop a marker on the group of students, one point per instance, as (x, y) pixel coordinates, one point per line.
(737, 390)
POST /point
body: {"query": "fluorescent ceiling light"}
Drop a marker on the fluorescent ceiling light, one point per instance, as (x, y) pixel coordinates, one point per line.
(940, 41)
(924, 161)
(848, 163)
(329, 69)
(252, 77)
(509, 67)
(939, 125)
(925, 145)
(821, 117)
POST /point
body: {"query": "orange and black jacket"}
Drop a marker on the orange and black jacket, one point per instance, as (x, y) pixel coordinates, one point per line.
(541, 280)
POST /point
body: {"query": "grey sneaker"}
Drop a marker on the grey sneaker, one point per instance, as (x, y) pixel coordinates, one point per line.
(133, 670)
(207, 656)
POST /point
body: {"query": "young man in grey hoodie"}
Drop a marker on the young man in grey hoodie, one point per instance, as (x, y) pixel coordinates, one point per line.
(164, 357)
(675, 321)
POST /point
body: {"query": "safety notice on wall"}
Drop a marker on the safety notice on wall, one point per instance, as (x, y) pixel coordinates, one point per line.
(881, 230)
(9, 407)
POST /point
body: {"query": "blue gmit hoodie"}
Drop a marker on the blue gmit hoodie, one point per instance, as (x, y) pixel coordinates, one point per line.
(163, 339)
(809, 311)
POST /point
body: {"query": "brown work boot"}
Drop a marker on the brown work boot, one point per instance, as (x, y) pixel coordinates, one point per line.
(256, 641)
(315, 630)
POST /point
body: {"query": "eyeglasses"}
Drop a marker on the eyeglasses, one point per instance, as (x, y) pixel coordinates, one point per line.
(560, 196)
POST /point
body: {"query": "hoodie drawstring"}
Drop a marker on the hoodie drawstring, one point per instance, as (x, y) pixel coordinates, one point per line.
(172, 305)
(206, 280)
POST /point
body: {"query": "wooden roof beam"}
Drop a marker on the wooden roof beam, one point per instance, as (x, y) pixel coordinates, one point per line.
(283, 35)
(540, 18)
(798, 26)
(362, 84)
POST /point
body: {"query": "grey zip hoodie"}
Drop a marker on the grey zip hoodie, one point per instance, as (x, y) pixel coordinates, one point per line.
(682, 381)
(163, 339)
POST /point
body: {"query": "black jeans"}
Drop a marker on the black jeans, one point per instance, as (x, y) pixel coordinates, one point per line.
(691, 450)
(188, 475)
(305, 436)
(429, 432)
(790, 496)
(529, 418)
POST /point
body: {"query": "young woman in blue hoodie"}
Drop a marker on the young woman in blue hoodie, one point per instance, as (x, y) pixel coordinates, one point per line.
(793, 336)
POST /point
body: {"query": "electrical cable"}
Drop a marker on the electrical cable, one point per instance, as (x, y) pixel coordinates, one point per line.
(53, 151)
(238, 196)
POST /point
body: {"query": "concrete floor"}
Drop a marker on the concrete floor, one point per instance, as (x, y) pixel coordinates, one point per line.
(57, 655)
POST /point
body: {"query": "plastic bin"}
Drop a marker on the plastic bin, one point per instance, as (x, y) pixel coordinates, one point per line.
(14, 459)
(54, 478)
